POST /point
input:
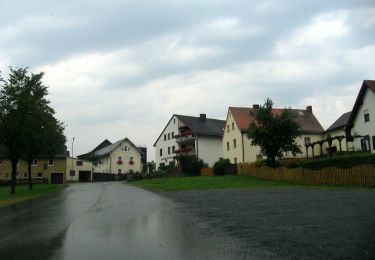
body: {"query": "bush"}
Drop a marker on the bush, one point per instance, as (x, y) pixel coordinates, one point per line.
(346, 161)
(191, 165)
(220, 166)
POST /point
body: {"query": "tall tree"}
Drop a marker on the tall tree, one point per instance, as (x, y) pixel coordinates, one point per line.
(275, 133)
(28, 126)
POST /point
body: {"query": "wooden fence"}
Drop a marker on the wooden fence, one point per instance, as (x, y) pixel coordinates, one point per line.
(362, 175)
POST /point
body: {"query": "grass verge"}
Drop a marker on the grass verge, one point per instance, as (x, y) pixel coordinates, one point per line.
(208, 182)
(23, 193)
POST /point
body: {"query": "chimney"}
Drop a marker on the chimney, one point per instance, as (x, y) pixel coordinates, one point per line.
(309, 108)
(256, 106)
(202, 117)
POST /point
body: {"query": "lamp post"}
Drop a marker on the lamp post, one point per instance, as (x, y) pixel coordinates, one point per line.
(71, 172)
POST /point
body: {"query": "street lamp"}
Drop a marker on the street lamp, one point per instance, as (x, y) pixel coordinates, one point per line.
(71, 172)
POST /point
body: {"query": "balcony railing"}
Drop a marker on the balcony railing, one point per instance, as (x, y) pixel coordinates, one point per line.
(185, 137)
(184, 150)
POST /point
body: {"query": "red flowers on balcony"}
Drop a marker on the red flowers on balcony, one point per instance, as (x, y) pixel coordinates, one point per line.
(184, 150)
(131, 162)
(119, 162)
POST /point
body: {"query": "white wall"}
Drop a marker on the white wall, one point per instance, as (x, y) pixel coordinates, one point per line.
(360, 126)
(230, 134)
(166, 158)
(209, 149)
(71, 164)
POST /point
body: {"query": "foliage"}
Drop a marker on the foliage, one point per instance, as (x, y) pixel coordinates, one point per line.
(95, 159)
(345, 161)
(274, 133)
(219, 167)
(209, 182)
(285, 162)
(190, 165)
(28, 128)
(151, 166)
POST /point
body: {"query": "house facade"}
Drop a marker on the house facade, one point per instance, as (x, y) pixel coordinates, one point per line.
(361, 123)
(237, 146)
(78, 170)
(188, 135)
(116, 159)
(338, 129)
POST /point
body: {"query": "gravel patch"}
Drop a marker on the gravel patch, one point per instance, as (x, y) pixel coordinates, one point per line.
(293, 223)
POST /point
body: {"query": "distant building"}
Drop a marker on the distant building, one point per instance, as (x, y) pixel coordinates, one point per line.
(338, 128)
(115, 159)
(237, 146)
(189, 135)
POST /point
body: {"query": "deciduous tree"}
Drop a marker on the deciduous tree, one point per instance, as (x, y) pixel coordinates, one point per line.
(275, 133)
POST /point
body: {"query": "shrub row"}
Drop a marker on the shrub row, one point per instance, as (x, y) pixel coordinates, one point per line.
(345, 161)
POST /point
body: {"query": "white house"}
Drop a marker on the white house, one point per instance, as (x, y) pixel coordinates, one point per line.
(116, 159)
(188, 135)
(361, 124)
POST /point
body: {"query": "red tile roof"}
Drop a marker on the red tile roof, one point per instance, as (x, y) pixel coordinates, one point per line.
(307, 120)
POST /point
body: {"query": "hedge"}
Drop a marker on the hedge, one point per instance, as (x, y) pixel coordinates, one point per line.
(346, 161)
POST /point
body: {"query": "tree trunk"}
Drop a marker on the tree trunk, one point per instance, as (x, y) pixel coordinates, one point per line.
(29, 174)
(13, 176)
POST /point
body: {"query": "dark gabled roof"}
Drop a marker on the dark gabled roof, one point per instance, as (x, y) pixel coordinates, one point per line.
(208, 127)
(341, 122)
(109, 148)
(306, 119)
(212, 127)
(100, 146)
(367, 84)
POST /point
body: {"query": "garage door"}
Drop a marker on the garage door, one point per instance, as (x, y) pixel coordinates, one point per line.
(57, 178)
(84, 176)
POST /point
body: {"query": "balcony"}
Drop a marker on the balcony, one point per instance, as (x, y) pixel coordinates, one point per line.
(185, 137)
(184, 151)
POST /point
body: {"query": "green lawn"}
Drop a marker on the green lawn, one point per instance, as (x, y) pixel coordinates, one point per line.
(23, 193)
(208, 182)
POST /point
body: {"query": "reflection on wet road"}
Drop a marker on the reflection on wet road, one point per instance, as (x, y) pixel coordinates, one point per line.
(108, 221)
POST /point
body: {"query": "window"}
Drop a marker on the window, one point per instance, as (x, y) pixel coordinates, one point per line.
(169, 150)
(34, 162)
(232, 125)
(25, 175)
(172, 134)
(307, 140)
(173, 148)
(119, 171)
(50, 162)
(364, 144)
(174, 120)
(131, 159)
(72, 173)
(373, 142)
(367, 117)
(235, 160)
(161, 152)
(7, 175)
(227, 146)
(165, 137)
(119, 158)
(125, 148)
(79, 163)
(169, 136)
(234, 143)
(40, 175)
(227, 128)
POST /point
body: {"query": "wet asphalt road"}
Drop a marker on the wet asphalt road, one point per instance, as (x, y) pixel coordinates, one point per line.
(117, 221)
(109, 221)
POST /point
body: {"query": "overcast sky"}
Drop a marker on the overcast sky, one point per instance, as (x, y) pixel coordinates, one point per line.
(120, 69)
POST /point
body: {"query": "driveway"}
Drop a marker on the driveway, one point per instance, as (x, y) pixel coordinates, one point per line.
(110, 221)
